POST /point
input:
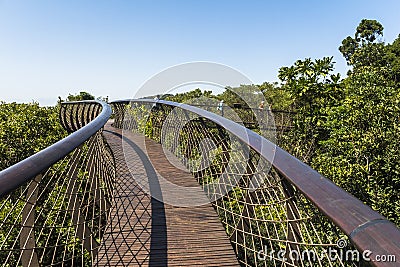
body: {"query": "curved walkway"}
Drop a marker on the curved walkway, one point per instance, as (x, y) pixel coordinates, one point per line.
(144, 231)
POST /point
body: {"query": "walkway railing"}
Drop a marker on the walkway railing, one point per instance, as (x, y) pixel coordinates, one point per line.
(54, 204)
(275, 209)
(248, 117)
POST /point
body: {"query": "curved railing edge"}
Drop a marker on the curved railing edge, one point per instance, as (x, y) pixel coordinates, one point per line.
(25, 170)
(357, 220)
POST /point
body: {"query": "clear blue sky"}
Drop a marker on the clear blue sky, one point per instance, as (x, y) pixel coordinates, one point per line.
(50, 48)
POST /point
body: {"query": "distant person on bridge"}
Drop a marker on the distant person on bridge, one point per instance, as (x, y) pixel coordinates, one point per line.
(221, 107)
(155, 105)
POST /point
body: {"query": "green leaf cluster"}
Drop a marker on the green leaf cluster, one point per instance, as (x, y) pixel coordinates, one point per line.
(81, 96)
(349, 129)
(25, 129)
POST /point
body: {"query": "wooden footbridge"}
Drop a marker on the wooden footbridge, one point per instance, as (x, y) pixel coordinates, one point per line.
(157, 183)
(145, 231)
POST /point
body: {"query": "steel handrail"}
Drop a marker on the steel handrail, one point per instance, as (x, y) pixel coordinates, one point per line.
(25, 170)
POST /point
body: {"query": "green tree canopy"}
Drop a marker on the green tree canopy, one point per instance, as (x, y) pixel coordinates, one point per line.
(80, 96)
(349, 129)
(312, 87)
(26, 129)
(361, 152)
(366, 49)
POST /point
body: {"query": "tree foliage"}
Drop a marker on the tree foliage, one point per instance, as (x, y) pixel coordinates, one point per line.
(392, 57)
(349, 129)
(80, 96)
(366, 49)
(312, 87)
(188, 96)
(361, 153)
(26, 129)
(276, 96)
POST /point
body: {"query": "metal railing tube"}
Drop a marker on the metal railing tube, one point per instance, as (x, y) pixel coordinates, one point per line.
(27, 169)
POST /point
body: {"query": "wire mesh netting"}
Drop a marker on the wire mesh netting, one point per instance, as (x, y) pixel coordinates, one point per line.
(59, 217)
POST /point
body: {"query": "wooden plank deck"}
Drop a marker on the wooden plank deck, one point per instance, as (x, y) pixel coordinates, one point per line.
(144, 231)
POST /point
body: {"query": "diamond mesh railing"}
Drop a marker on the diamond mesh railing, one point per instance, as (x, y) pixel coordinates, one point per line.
(251, 118)
(277, 211)
(54, 205)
